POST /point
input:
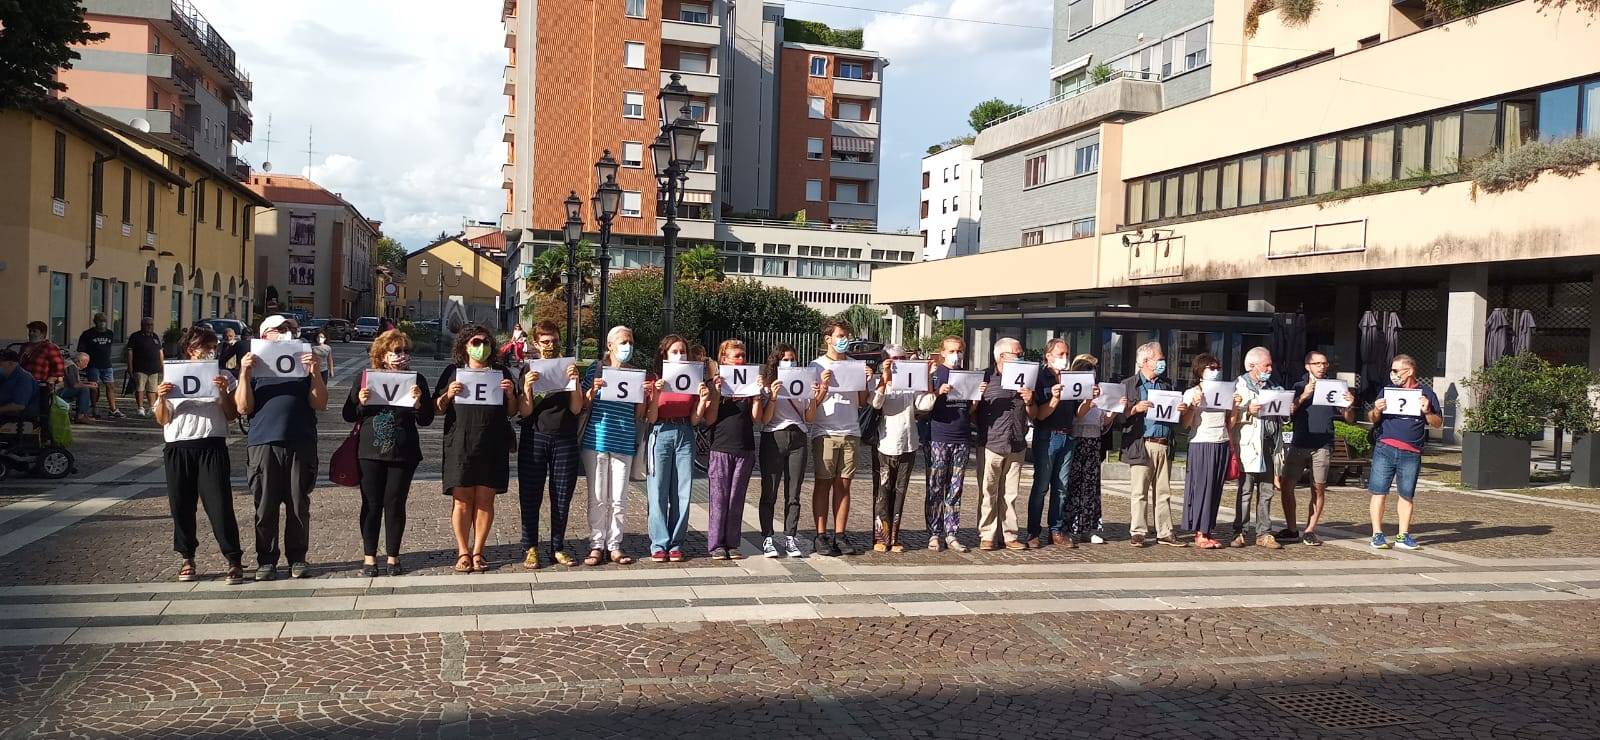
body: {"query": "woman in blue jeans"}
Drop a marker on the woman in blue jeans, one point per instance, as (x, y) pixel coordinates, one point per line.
(672, 417)
(1397, 457)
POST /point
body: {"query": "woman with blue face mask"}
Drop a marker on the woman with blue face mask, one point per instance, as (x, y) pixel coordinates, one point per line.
(477, 443)
(607, 450)
(1209, 451)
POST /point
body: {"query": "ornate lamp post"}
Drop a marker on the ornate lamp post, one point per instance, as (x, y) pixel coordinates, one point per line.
(607, 197)
(438, 339)
(672, 154)
(573, 233)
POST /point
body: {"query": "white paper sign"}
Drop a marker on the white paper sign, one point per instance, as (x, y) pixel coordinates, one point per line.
(391, 389)
(191, 380)
(683, 377)
(1216, 395)
(622, 385)
(740, 381)
(1076, 386)
(1398, 401)
(481, 387)
(796, 382)
(552, 374)
(1330, 392)
(848, 375)
(964, 385)
(909, 375)
(1275, 403)
(1017, 374)
(1164, 405)
(1111, 398)
(278, 359)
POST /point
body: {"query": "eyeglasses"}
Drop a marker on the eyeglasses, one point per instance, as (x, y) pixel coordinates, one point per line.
(1396, 369)
(550, 341)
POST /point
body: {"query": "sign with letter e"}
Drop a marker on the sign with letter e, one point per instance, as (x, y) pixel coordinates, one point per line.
(482, 387)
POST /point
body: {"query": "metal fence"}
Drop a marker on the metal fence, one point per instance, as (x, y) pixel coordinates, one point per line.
(759, 344)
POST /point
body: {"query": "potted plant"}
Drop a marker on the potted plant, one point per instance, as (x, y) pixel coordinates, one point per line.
(1572, 410)
(1510, 403)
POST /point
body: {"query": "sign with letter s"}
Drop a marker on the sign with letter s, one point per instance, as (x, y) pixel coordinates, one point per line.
(622, 385)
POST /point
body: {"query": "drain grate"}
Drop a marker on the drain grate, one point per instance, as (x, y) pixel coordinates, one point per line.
(1335, 709)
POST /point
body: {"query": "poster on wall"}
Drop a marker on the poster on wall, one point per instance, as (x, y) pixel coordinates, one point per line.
(302, 269)
(303, 230)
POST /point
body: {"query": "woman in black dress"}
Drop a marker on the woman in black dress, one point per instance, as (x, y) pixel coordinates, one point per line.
(477, 442)
(388, 450)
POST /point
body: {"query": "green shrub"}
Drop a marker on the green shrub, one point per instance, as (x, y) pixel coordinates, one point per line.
(1511, 397)
(1355, 438)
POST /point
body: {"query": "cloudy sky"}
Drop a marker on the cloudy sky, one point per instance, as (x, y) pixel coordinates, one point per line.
(403, 97)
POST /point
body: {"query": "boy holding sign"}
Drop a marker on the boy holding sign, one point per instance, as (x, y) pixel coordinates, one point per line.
(549, 444)
(897, 443)
(1397, 457)
(196, 458)
(1310, 446)
(835, 436)
(390, 400)
(476, 398)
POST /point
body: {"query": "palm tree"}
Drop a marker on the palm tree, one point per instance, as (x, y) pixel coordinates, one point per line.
(548, 272)
(700, 263)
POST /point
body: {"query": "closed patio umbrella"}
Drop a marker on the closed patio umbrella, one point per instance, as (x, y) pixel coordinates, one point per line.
(1373, 369)
(1391, 336)
(1496, 336)
(1524, 336)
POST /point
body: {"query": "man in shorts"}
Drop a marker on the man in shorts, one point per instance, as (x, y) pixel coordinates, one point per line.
(145, 357)
(835, 435)
(1397, 457)
(1310, 446)
(96, 342)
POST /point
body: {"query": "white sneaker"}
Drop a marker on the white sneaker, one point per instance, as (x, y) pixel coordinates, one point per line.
(793, 546)
(144, 411)
(768, 548)
(1096, 539)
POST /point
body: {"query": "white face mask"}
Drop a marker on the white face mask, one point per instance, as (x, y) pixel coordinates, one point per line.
(952, 359)
(1396, 379)
(675, 357)
(1059, 363)
(785, 363)
(625, 351)
(1211, 374)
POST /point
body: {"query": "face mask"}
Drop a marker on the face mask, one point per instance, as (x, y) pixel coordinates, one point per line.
(625, 352)
(548, 353)
(785, 363)
(1262, 376)
(952, 359)
(209, 354)
(1161, 367)
(397, 360)
(841, 345)
(479, 352)
(1211, 373)
(675, 357)
(1059, 364)
(1395, 379)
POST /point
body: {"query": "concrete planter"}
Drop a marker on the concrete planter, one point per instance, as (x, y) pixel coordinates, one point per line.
(1494, 461)
(1586, 461)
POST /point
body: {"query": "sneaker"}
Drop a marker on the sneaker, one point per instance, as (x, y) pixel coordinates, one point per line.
(1017, 545)
(719, 553)
(1172, 541)
(842, 546)
(1095, 539)
(531, 560)
(1379, 542)
(956, 545)
(1137, 540)
(234, 575)
(879, 547)
(1267, 541)
(144, 411)
(1287, 535)
(1238, 541)
(1404, 542)
(768, 548)
(821, 546)
(299, 570)
(935, 544)
(1310, 538)
(792, 546)
(266, 572)
(658, 556)
(117, 414)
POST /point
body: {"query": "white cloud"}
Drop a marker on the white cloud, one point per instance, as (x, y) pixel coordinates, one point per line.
(913, 41)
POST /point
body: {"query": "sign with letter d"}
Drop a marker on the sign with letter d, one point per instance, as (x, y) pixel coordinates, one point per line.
(191, 380)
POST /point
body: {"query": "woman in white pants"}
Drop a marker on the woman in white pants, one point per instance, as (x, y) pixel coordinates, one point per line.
(609, 442)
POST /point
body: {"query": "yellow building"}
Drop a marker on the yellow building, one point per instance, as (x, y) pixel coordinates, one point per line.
(477, 284)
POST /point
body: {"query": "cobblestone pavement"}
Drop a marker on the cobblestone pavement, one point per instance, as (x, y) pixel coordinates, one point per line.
(1487, 632)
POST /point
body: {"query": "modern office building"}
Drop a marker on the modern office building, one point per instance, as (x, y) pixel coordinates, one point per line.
(166, 70)
(952, 194)
(313, 251)
(1336, 170)
(788, 157)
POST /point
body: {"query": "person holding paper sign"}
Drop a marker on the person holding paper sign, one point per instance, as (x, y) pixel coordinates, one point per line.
(388, 449)
(1257, 441)
(897, 450)
(835, 437)
(784, 447)
(1397, 457)
(1054, 419)
(282, 450)
(1147, 446)
(1002, 417)
(1209, 452)
(477, 442)
(1310, 446)
(672, 416)
(733, 457)
(196, 462)
(1080, 518)
(950, 432)
(609, 442)
(548, 448)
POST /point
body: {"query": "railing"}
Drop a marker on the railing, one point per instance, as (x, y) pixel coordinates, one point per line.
(184, 74)
(239, 167)
(241, 124)
(813, 225)
(1081, 89)
(194, 25)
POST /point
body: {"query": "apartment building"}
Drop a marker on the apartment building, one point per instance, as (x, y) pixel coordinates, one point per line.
(791, 136)
(313, 250)
(97, 217)
(476, 289)
(952, 194)
(166, 70)
(1216, 218)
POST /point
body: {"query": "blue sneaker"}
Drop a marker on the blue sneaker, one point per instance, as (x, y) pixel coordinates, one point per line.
(1404, 542)
(1379, 542)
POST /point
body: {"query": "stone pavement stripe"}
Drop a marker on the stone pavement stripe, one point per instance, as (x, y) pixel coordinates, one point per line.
(1519, 498)
(175, 633)
(246, 606)
(324, 628)
(81, 609)
(39, 636)
(63, 518)
(463, 599)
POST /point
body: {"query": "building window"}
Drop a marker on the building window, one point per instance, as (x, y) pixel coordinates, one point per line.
(1033, 169)
(1086, 159)
(58, 177)
(814, 191)
(632, 105)
(955, 171)
(852, 70)
(1352, 156)
(819, 66)
(119, 309)
(1083, 227)
(633, 8)
(1080, 16)
(633, 54)
(127, 195)
(955, 203)
(1272, 176)
(847, 192)
(818, 107)
(694, 61)
(233, 216)
(1032, 237)
(1195, 43)
(150, 206)
(1190, 193)
(219, 208)
(200, 202)
(632, 154)
(1249, 183)
(849, 111)
(632, 203)
(1324, 158)
(813, 148)
(698, 110)
(1380, 155)
(1477, 131)
(694, 13)
(954, 233)
(925, 180)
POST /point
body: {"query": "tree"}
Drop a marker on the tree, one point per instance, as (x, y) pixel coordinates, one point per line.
(989, 110)
(549, 270)
(869, 323)
(35, 42)
(729, 305)
(699, 263)
(390, 253)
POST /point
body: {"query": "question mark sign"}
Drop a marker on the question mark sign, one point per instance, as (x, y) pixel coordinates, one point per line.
(1402, 400)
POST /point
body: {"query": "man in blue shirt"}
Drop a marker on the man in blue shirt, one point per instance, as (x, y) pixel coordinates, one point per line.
(1397, 457)
(17, 387)
(1146, 447)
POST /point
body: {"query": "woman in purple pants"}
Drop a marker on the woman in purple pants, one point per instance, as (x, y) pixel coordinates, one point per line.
(733, 455)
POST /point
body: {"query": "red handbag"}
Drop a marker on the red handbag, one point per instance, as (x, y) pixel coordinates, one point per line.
(1235, 468)
(343, 468)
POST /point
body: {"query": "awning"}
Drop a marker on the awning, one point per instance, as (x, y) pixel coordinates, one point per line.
(695, 196)
(854, 144)
(1066, 68)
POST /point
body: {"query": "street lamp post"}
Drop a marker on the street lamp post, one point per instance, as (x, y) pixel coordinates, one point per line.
(438, 339)
(672, 154)
(573, 233)
(605, 201)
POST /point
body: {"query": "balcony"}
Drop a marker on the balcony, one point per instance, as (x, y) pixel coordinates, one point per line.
(709, 136)
(173, 75)
(1121, 94)
(853, 211)
(691, 228)
(704, 180)
(507, 175)
(240, 125)
(511, 32)
(239, 167)
(508, 124)
(698, 83)
(695, 34)
(853, 170)
(189, 25)
(862, 129)
(852, 88)
(511, 80)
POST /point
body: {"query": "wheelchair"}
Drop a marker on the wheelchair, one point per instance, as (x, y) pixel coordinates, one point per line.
(29, 448)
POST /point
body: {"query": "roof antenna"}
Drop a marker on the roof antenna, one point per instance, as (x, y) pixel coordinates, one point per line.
(267, 165)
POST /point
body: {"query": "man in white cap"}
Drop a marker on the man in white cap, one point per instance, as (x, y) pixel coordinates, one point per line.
(282, 450)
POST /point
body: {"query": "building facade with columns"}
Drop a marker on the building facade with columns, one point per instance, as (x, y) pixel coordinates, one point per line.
(1212, 224)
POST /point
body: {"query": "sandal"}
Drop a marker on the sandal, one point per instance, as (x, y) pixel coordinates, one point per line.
(479, 564)
(187, 572)
(464, 563)
(596, 557)
(234, 575)
(620, 559)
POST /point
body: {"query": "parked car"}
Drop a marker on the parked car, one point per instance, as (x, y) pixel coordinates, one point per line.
(240, 329)
(869, 351)
(367, 327)
(336, 330)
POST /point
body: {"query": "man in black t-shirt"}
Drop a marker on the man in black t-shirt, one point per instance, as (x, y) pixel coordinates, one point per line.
(144, 357)
(96, 342)
(549, 446)
(1311, 445)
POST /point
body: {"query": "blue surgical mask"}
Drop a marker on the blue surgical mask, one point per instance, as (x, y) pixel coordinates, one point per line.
(1161, 367)
(841, 345)
(785, 363)
(625, 352)
(1263, 376)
